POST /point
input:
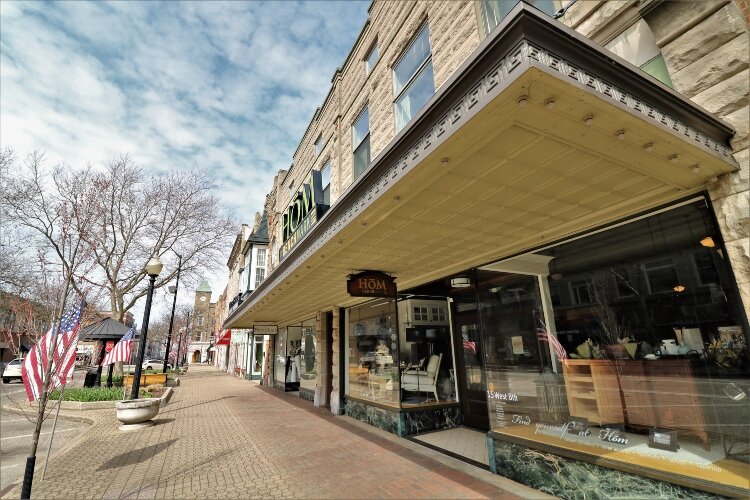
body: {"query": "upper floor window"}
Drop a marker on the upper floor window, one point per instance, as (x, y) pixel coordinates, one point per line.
(493, 11)
(325, 175)
(704, 264)
(413, 81)
(661, 275)
(318, 145)
(260, 275)
(244, 273)
(361, 142)
(199, 320)
(581, 292)
(371, 59)
(623, 282)
(260, 260)
(637, 45)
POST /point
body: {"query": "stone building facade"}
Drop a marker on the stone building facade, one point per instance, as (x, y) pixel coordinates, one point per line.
(561, 195)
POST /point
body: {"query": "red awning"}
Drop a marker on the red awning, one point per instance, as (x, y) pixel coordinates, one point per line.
(223, 338)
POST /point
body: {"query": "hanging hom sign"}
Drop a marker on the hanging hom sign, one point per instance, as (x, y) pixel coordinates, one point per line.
(371, 284)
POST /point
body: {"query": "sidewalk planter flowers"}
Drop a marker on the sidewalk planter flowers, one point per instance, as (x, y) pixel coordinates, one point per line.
(137, 413)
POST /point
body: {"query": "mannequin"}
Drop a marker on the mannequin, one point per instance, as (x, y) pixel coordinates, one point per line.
(296, 360)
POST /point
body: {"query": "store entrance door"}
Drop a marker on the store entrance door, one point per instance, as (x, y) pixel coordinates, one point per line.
(472, 385)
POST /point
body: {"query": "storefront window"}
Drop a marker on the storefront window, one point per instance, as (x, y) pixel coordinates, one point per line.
(373, 357)
(308, 362)
(645, 363)
(293, 356)
(279, 360)
(426, 352)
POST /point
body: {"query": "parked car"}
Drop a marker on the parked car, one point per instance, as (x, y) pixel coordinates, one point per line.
(154, 364)
(12, 371)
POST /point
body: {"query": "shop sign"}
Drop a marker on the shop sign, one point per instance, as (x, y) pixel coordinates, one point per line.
(303, 212)
(265, 329)
(109, 345)
(371, 284)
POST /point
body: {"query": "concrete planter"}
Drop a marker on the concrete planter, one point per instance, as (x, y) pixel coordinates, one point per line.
(137, 413)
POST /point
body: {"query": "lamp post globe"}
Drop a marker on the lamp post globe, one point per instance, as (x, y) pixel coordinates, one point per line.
(153, 268)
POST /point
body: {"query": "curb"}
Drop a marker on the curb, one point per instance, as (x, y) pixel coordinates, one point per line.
(69, 418)
(92, 405)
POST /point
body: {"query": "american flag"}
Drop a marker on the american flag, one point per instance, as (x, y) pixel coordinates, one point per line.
(469, 346)
(121, 351)
(545, 336)
(63, 359)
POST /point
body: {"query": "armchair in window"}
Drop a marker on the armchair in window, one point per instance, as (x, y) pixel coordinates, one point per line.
(423, 381)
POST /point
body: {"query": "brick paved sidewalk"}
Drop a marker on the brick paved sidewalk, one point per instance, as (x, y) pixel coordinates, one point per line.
(223, 437)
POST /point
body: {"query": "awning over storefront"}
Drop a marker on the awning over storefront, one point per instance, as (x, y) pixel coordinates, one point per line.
(539, 135)
(223, 338)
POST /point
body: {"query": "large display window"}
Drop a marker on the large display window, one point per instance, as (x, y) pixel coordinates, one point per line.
(426, 351)
(631, 349)
(373, 356)
(308, 361)
(279, 360)
(288, 359)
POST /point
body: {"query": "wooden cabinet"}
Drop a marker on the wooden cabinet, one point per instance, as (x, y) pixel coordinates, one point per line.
(660, 393)
(676, 397)
(592, 393)
(638, 400)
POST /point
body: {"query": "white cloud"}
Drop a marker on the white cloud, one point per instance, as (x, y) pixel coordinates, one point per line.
(226, 86)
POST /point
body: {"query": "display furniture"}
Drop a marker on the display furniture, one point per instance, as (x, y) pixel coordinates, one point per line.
(659, 393)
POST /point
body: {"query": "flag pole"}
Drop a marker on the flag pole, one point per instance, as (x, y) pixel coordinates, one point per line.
(54, 423)
(132, 345)
(52, 436)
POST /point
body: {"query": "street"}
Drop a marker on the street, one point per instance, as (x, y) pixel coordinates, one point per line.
(16, 431)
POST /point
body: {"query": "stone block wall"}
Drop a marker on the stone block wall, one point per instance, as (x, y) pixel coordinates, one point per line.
(705, 46)
(391, 26)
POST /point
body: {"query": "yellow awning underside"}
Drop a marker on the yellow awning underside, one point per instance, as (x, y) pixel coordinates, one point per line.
(516, 177)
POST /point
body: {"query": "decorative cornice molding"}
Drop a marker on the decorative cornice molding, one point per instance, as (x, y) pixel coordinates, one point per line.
(540, 57)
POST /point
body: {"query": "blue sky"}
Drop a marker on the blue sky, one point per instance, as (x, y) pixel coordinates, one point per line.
(226, 86)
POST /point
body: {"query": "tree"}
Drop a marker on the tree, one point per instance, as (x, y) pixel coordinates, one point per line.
(143, 216)
(14, 265)
(50, 209)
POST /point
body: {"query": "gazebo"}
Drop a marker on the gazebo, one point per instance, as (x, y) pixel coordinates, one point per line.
(107, 329)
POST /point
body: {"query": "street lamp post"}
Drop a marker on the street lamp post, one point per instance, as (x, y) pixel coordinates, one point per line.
(172, 289)
(153, 268)
(187, 338)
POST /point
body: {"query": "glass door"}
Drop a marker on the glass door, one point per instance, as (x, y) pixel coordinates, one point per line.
(511, 317)
(257, 357)
(471, 378)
